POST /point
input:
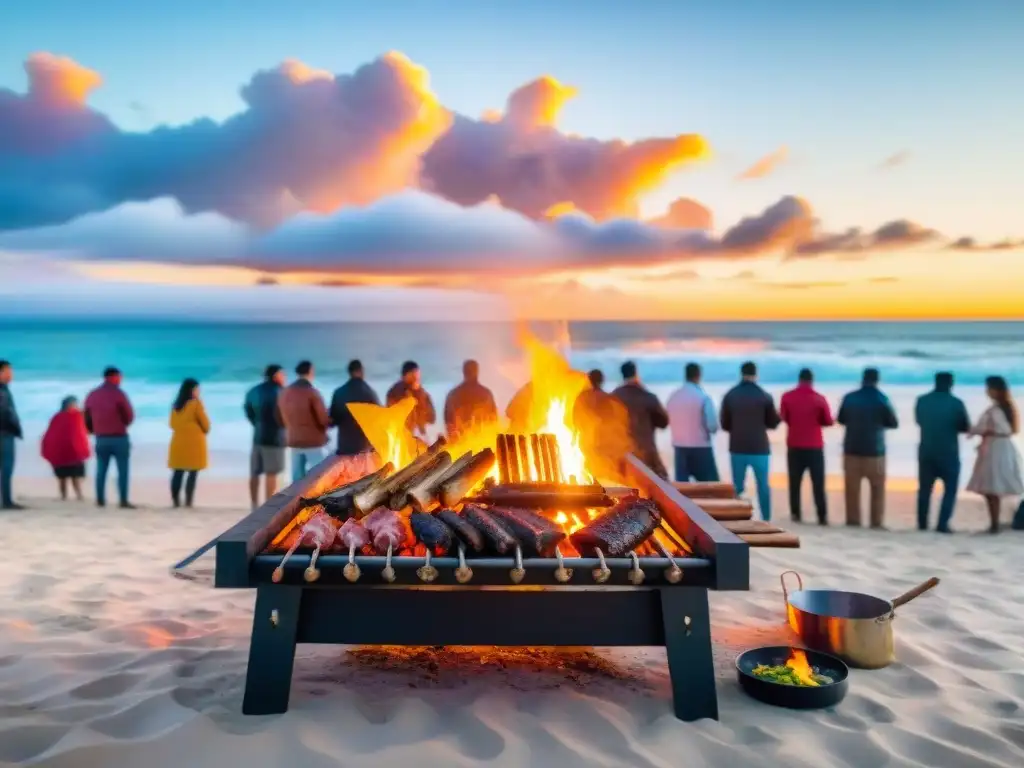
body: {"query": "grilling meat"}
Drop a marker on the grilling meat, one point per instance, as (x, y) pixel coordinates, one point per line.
(619, 530)
(536, 534)
(385, 526)
(470, 537)
(432, 532)
(494, 531)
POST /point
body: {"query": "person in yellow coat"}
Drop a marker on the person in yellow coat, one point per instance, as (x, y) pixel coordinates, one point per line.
(187, 454)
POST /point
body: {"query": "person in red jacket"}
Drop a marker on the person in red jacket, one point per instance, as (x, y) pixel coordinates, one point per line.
(805, 412)
(66, 446)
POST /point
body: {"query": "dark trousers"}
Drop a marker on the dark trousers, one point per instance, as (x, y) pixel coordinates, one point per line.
(812, 461)
(698, 463)
(117, 448)
(6, 469)
(929, 470)
(189, 476)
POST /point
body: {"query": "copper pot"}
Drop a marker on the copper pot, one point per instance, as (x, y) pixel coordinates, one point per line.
(853, 626)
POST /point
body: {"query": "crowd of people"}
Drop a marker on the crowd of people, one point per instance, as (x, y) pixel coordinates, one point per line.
(295, 418)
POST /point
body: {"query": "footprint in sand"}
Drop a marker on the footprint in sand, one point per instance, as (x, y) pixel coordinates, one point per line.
(107, 687)
(21, 743)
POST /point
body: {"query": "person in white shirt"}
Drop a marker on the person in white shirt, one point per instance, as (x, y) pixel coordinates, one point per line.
(693, 421)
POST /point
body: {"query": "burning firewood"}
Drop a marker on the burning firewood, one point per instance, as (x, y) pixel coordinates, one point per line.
(350, 489)
(554, 458)
(537, 535)
(619, 530)
(455, 486)
(416, 489)
(377, 494)
(499, 496)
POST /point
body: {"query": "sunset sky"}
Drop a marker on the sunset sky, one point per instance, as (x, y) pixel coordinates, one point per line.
(671, 159)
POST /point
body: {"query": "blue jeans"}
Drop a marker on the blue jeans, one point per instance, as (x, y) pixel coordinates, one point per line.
(929, 470)
(6, 469)
(759, 463)
(304, 459)
(117, 448)
(698, 463)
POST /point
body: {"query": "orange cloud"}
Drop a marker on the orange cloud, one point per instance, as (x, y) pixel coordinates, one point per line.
(60, 81)
(766, 165)
(685, 213)
(894, 160)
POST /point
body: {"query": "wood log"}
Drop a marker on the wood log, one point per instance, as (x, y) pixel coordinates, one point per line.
(456, 486)
(726, 509)
(715, 490)
(422, 491)
(538, 458)
(542, 499)
(512, 451)
(430, 470)
(554, 456)
(551, 487)
(790, 540)
(368, 500)
(351, 489)
(751, 526)
(504, 471)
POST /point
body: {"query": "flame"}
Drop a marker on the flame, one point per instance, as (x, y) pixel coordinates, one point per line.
(801, 667)
(386, 430)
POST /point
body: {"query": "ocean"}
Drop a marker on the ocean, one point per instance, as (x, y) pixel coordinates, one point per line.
(53, 359)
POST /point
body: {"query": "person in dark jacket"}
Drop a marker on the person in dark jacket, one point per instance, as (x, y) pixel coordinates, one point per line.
(747, 413)
(267, 457)
(470, 403)
(108, 414)
(866, 413)
(411, 385)
(646, 414)
(10, 430)
(942, 418)
(351, 439)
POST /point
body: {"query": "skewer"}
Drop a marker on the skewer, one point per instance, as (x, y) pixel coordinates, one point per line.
(463, 573)
(388, 574)
(278, 573)
(636, 576)
(673, 574)
(562, 574)
(602, 573)
(312, 573)
(518, 573)
(427, 572)
(352, 572)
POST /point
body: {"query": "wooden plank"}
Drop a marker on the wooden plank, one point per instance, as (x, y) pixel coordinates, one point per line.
(704, 535)
(751, 526)
(705, 490)
(726, 509)
(782, 540)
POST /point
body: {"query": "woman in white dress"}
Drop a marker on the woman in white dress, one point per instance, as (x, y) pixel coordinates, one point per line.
(997, 471)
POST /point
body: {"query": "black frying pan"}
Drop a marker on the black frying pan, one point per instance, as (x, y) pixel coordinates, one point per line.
(794, 697)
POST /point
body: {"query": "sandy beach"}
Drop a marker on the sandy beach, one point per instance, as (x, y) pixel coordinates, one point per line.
(105, 659)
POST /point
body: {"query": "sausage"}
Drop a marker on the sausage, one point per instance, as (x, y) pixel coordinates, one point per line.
(464, 532)
(619, 530)
(497, 535)
(432, 531)
(536, 534)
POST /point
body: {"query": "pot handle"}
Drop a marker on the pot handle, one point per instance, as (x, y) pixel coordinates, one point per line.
(917, 591)
(785, 592)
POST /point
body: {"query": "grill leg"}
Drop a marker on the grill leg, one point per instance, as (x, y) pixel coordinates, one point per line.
(275, 624)
(691, 667)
